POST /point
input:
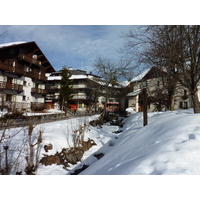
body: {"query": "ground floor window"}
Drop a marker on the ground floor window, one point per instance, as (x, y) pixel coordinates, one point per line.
(14, 98)
(183, 105)
(8, 97)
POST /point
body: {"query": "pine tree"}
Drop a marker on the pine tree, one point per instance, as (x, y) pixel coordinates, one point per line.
(66, 89)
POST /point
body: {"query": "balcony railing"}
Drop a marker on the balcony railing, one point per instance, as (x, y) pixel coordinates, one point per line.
(29, 59)
(20, 70)
(11, 86)
(55, 97)
(38, 91)
(36, 76)
(79, 86)
(52, 88)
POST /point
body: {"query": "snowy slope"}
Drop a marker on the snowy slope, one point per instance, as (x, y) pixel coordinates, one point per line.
(170, 144)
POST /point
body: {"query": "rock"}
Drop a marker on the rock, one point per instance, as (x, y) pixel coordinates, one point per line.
(48, 147)
(52, 159)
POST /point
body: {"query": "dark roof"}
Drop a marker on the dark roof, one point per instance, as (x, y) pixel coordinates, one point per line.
(49, 68)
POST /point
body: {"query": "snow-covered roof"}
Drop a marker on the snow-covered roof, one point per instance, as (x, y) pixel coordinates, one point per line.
(140, 76)
(51, 78)
(11, 44)
(124, 83)
(133, 94)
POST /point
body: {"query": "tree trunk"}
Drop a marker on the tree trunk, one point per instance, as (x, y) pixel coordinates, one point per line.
(196, 103)
(30, 130)
(171, 103)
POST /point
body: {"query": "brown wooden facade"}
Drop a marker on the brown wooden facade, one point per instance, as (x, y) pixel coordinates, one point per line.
(20, 62)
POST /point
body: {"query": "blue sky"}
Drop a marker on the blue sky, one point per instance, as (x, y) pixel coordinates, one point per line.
(75, 46)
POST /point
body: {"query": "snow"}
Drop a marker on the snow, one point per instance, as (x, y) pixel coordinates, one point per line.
(72, 77)
(168, 145)
(11, 44)
(140, 76)
(135, 93)
(130, 110)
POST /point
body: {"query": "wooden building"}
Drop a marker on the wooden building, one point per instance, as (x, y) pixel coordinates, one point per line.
(22, 76)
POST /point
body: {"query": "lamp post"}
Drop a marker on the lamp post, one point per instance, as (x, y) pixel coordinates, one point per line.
(144, 96)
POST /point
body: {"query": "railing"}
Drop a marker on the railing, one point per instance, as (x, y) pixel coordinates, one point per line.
(38, 91)
(20, 70)
(79, 86)
(52, 98)
(11, 86)
(29, 59)
(14, 69)
(36, 76)
(6, 67)
(52, 88)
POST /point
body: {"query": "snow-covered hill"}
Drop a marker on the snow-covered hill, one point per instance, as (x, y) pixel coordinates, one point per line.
(170, 144)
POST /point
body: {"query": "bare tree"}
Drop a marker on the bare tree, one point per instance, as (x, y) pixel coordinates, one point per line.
(33, 155)
(95, 90)
(112, 73)
(174, 49)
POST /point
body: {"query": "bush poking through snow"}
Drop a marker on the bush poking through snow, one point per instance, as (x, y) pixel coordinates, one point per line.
(48, 147)
(111, 143)
(74, 153)
(70, 155)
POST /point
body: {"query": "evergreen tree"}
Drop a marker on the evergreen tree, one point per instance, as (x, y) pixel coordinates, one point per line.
(66, 89)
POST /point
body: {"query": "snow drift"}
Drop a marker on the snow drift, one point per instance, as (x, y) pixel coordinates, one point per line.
(169, 144)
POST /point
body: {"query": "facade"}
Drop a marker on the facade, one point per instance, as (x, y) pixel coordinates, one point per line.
(88, 92)
(22, 76)
(83, 85)
(154, 79)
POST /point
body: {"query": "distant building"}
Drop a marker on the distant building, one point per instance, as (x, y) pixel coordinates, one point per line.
(154, 80)
(22, 76)
(88, 94)
(83, 95)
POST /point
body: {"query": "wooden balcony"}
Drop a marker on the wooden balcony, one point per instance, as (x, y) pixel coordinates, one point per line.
(21, 71)
(38, 91)
(11, 86)
(53, 98)
(16, 69)
(52, 89)
(35, 75)
(29, 59)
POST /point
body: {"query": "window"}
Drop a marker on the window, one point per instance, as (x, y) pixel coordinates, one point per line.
(4, 97)
(14, 98)
(8, 97)
(185, 105)
(25, 83)
(5, 78)
(24, 98)
(15, 81)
